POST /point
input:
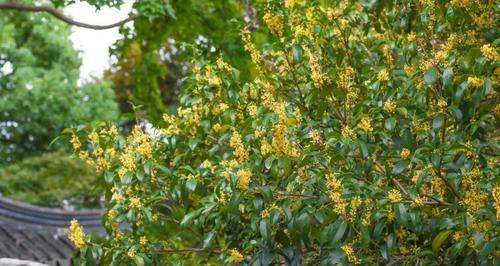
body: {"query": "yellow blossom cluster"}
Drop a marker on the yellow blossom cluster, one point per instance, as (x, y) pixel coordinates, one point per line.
(347, 132)
(390, 106)
(475, 82)
(336, 190)
(405, 153)
(394, 196)
(244, 177)
(239, 149)
(489, 52)
(383, 75)
(350, 254)
(76, 234)
(275, 23)
(496, 199)
(280, 144)
(236, 256)
(366, 125)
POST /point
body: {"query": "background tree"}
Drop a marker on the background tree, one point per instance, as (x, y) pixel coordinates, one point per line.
(153, 56)
(39, 96)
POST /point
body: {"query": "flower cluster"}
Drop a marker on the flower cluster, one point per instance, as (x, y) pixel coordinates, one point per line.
(76, 234)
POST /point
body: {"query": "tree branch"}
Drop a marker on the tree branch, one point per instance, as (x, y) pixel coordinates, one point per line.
(54, 12)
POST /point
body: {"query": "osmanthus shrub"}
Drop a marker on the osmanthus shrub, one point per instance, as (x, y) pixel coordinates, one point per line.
(368, 136)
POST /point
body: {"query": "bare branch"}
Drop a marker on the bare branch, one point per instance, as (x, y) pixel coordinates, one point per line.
(54, 12)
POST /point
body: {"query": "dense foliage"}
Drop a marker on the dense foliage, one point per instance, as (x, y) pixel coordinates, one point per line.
(53, 179)
(153, 54)
(39, 96)
(368, 136)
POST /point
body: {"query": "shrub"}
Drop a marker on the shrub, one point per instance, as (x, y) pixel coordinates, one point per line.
(52, 180)
(366, 137)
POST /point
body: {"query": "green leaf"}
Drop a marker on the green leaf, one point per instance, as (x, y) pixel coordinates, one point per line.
(147, 167)
(340, 232)
(431, 76)
(400, 167)
(264, 229)
(139, 261)
(439, 240)
(438, 122)
(140, 175)
(365, 237)
(268, 163)
(170, 9)
(297, 53)
(108, 177)
(192, 143)
(191, 184)
(457, 114)
(207, 241)
(188, 217)
(390, 123)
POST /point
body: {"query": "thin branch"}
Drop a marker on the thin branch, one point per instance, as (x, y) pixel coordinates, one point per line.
(54, 12)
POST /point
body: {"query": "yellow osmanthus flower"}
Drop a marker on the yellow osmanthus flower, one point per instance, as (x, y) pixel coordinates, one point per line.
(239, 149)
(292, 3)
(351, 98)
(409, 69)
(102, 164)
(280, 143)
(366, 125)
(250, 47)
(215, 81)
(475, 82)
(84, 155)
(75, 142)
(489, 52)
(474, 199)
(350, 254)
(390, 106)
(131, 254)
(76, 234)
(244, 177)
(127, 159)
(405, 153)
(345, 79)
(222, 65)
(442, 104)
(135, 203)
(143, 240)
(316, 136)
(112, 214)
(317, 75)
(383, 75)
(390, 215)
(347, 132)
(265, 147)
(94, 137)
(336, 188)
(236, 256)
(275, 23)
(394, 196)
(252, 110)
(496, 199)
(301, 31)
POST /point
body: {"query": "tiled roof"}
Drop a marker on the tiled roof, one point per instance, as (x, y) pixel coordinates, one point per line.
(38, 234)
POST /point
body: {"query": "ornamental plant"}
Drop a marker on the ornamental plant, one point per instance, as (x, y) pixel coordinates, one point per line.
(368, 135)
